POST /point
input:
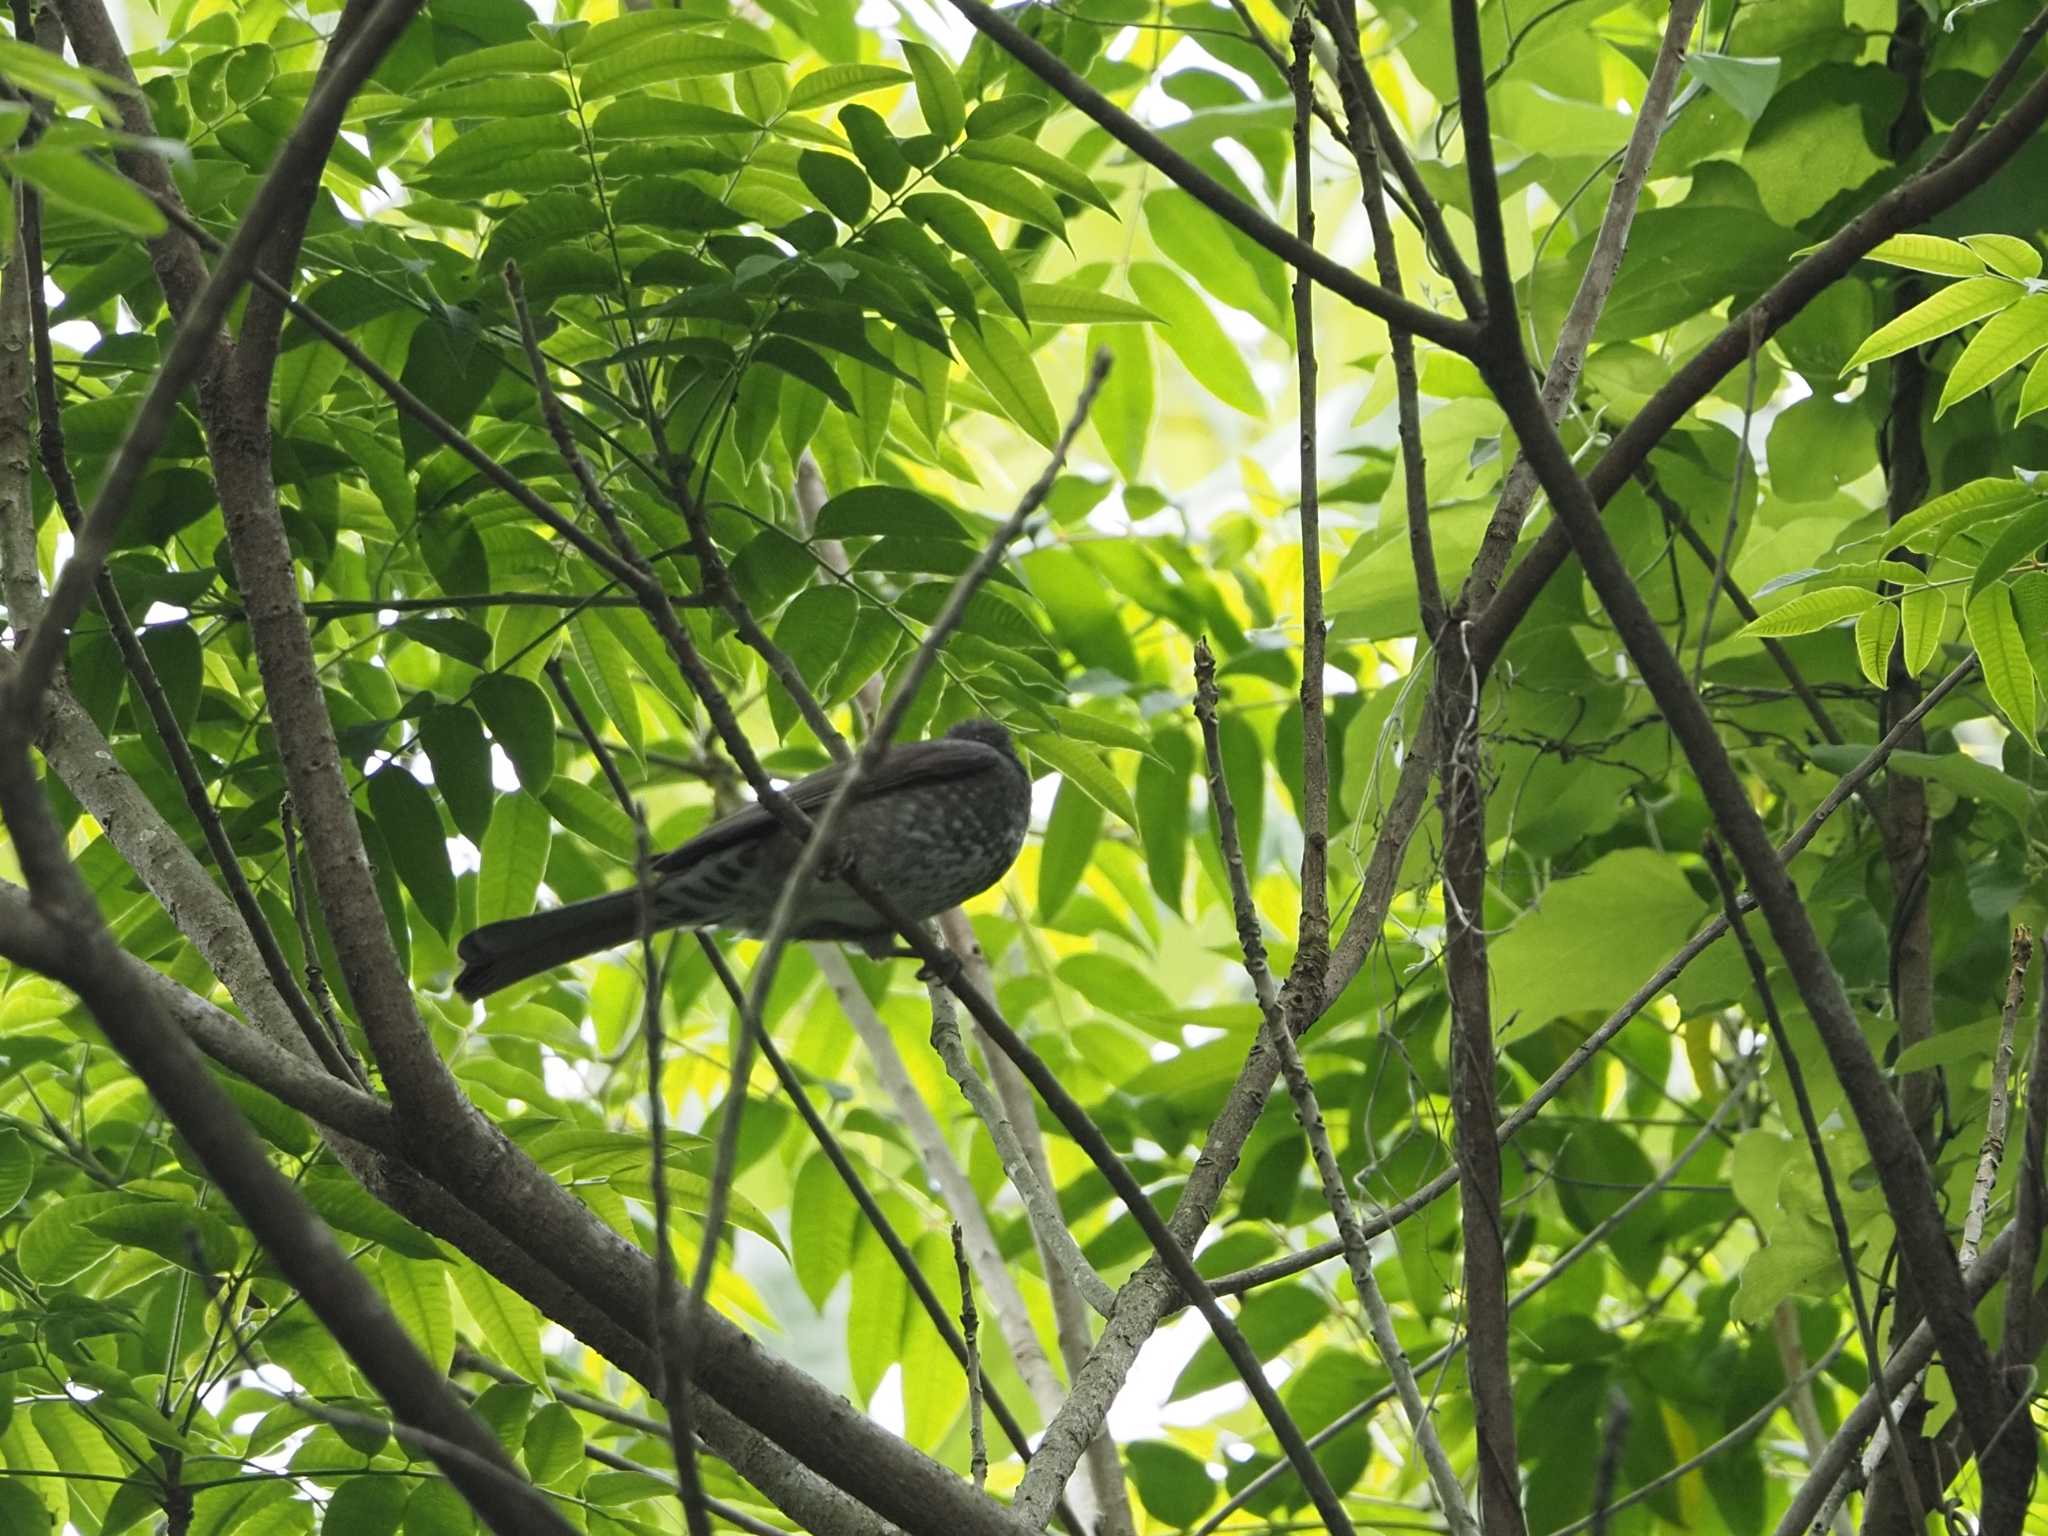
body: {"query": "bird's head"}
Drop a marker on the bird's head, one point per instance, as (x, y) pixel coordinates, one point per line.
(989, 733)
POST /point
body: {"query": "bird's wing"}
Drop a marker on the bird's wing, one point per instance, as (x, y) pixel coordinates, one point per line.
(923, 762)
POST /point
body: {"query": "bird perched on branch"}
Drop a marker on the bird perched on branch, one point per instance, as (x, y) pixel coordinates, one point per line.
(931, 824)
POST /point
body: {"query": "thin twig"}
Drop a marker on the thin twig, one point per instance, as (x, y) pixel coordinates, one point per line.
(1795, 1079)
(1992, 1153)
(970, 1330)
(1596, 283)
(1612, 1438)
(2016, 1349)
(1719, 571)
(1251, 941)
(871, 1212)
(1312, 949)
(681, 1433)
(1041, 1207)
(1206, 189)
(302, 912)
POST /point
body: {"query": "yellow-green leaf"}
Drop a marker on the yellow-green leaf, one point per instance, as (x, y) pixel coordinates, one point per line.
(2008, 339)
(836, 82)
(1921, 613)
(1082, 767)
(938, 93)
(1929, 253)
(1980, 501)
(515, 853)
(2002, 653)
(1000, 362)
(1811, 611)
(2006, 253)
(1876, 631)
(1949, 310)
(2034, 392)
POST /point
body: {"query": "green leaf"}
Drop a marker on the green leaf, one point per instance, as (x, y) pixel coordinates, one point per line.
(938, 93)
(59, 1242)
(1747, 85)
(1876, 632)
(1216, 362)
(1200, 244)
(1172, 1484)
(1122, 415)
(72, 182)
(527, 57)
(1958, 770)
(1163, 799)
(412, 830)
(836, 82)
(1083, 611)
(2008, 339)
(554, 1443)
(1070, 834)
(801, 363)
(2016, 541)
(670, 202)
(1120, 989)
(656, 117)
(184, 1234)
(17, 1168)
(827, 1221)
(1928, 253)
(515, 853)
(1024, 154)
(461, 759)
(1811, 611)
(1002, 365)
(840, 186)
(886, 509)
(418, 1293)
(1082, 766)
(1594, 937)
(630, 30)
(522, 722)
(1964, 1043)
(1949, 310)
(2002, 653)
(1928, 525)
(960, 228)
(605, 667)
(812, 632)
(876, 147)
(1078, 304)
(1000, 188)
(665, 57)
(22, 1511)
(1922, 613)
(593, 816)
(506, 96)
(367, 1506)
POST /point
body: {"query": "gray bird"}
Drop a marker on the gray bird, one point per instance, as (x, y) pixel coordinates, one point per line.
(932, 824)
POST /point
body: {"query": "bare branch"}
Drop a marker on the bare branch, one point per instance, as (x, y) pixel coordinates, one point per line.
(1610, 244)
(1795, 1078)
(1040, 1206)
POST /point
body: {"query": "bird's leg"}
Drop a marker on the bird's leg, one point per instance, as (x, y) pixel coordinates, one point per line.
(884, 947)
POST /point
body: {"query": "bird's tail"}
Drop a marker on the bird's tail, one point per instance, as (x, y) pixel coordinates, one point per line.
(498, 954)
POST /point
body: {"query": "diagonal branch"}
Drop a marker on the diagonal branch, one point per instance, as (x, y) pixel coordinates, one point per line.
(1453, 335)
